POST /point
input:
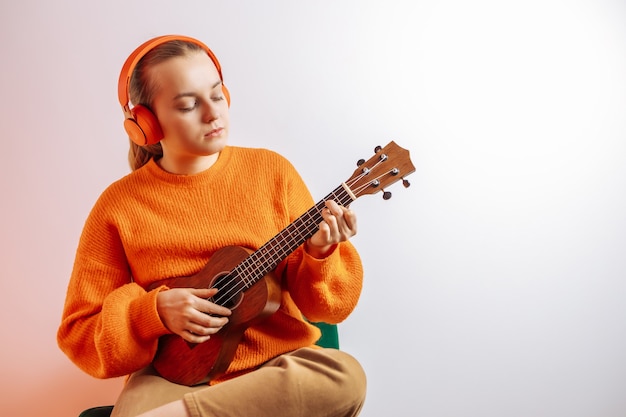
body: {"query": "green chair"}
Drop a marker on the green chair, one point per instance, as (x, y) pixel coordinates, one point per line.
(329, 339)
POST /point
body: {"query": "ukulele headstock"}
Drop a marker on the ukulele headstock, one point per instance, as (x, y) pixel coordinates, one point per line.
(389, 165)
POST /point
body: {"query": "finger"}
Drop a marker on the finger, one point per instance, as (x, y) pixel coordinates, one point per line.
(345, 220)
(349, 225)
(191, 337)
(350, 218)
(331, 215)
(204, 322)
(205, 305)
(212, 309)
(203, 292)
(208, 329)
(327, 229)
(341, 226)
(199, 333)
(333, 207)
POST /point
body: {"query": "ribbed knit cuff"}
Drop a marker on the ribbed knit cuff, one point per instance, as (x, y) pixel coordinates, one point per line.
(145, 317)
(319, 266)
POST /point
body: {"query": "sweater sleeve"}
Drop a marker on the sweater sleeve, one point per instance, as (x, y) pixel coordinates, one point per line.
(110, 326)
(325, 290)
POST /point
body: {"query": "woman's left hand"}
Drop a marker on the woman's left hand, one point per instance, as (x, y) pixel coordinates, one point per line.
(339, 225)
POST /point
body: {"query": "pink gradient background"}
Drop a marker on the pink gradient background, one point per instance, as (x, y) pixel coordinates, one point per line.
(494, 285)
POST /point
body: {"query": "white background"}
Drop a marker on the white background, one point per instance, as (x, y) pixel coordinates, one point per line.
(494, 284)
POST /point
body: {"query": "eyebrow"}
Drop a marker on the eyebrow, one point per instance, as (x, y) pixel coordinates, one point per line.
(181, 95)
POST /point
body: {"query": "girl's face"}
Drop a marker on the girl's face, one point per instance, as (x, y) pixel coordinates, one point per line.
(192, 110)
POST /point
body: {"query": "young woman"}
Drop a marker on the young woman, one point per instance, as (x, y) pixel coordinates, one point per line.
(189, 195)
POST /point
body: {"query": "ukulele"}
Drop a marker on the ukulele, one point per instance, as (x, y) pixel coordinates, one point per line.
(245, 279)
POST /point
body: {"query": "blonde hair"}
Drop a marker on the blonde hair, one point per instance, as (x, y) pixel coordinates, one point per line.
(142, 90)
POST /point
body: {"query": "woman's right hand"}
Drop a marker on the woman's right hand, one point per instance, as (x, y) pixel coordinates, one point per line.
(188, 313)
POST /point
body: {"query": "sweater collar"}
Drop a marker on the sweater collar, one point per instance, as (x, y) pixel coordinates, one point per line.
(154, 170)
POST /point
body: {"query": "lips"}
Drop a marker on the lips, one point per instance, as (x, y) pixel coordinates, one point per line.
(215, 132)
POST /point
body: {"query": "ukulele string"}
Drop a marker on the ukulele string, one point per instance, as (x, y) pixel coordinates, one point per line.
(257, 263)
(256, 269)
(357, 190)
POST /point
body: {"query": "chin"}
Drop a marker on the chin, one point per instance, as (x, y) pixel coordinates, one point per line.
(215, 146)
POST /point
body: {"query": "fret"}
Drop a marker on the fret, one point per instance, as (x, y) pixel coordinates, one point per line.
(268, 256)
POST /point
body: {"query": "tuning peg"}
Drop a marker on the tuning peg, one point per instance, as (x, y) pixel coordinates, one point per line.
(360, 162)
(377, 149)
(386, 195)
(406, 183)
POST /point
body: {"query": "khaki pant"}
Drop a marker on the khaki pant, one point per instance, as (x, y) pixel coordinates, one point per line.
(306, 382)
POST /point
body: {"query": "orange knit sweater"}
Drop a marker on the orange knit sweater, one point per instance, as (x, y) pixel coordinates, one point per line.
(152, 225)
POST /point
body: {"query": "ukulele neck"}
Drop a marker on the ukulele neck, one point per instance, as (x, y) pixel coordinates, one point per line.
(268, 256)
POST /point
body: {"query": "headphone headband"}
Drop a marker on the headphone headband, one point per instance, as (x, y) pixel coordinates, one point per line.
(123, 85)
(140, 123)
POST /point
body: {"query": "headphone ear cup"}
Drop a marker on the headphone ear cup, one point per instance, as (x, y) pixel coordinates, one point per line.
(144, 128)
(226, 94)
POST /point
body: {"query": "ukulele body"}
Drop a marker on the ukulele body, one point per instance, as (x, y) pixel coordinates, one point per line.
(190, 364)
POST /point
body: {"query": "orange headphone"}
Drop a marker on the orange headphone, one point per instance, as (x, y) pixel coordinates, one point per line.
(140, 123)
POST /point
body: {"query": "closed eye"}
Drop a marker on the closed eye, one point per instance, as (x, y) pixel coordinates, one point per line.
(188, 108)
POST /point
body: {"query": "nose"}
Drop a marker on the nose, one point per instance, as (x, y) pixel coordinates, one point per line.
(211, 112)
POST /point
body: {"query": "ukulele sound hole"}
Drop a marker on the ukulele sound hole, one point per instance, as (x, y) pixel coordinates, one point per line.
(230, 291)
